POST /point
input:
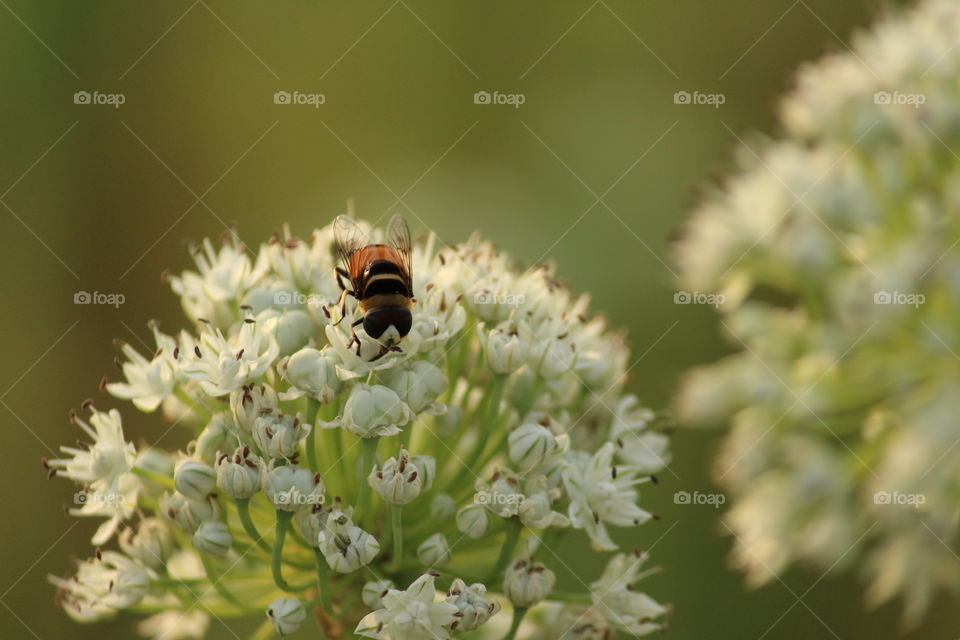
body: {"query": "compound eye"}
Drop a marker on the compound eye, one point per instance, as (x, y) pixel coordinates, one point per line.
(374, 326)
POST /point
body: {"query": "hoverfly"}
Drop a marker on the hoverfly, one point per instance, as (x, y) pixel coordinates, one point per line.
(380, 280)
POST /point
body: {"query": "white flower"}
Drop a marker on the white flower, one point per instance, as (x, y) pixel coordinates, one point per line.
(345, 546)
(223, 365)
(526, 582)
(311, 372)
(616, 598)
(601, 492)
(418, 383)
(410, 615)
(223, 277)
(373, 593)
(434, 551)
(278, 435)
(251, 401)
(151, 545)
(213, 537)
(553, 356)
(535, 510)
(149, 382)
(238, 475)
(286, 614)
(175, 625)
(530, 444)
(187, 513)
(111, 580)
(399, 480)
(289, 487)
(572, 622)
(505, 347)
(291, 328)
(473, 520)
(374, 411)
(194, 479)
(472, 604)
(219, 435)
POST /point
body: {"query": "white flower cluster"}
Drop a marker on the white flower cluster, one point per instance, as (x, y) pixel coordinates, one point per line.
(320, 475)
(835, 249)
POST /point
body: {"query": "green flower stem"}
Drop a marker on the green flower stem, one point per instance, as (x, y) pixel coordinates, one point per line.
(193, 404)
(396, 520)
(323, 582)
(164, 481)
(518, 613)
(220, 587)
(283, 523)
(312, 407)
(243, 510)
(489, 423)
(514, 529)
(368, 459)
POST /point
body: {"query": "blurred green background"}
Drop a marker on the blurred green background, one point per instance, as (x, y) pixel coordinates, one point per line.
(594, 170)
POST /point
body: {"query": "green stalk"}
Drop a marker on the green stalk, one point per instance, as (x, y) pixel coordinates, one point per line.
(219, 586)
(396, 520)
(323, 582)
(312, 407)
(243, 510)
(518, 613)
(486, 432)
(283, 523)
(514, 529)
(368, 459)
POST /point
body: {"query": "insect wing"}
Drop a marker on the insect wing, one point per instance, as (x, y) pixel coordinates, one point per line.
(349, 237)
(398, 237)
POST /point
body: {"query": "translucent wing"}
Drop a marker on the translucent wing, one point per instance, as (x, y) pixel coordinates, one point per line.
(349, 237)
(398, 237)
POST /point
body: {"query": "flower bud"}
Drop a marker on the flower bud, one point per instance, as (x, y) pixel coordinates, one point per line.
(187, 513)
(428, 469)
(526, 583)
(286, 614)
(292, 328)
(418, 383)
(194, 479)
(345, 546)
(278, 434)
(213, 537)
(473, 520)
(442, 507)
(530, 444)
(398, 481)
(217, 436)
(238, 475)
(311, 372)
(475, 608)
(151, 545)
(249, 402)
(373, 411)
(289, 487)
(434, 551)
(553, 357)
(373, 593)
(504, 348)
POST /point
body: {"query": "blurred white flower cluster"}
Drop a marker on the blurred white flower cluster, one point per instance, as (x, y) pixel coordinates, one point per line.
(323, 480)
(837, 251)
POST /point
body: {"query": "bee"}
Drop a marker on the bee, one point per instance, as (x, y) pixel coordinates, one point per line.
(380, 279)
